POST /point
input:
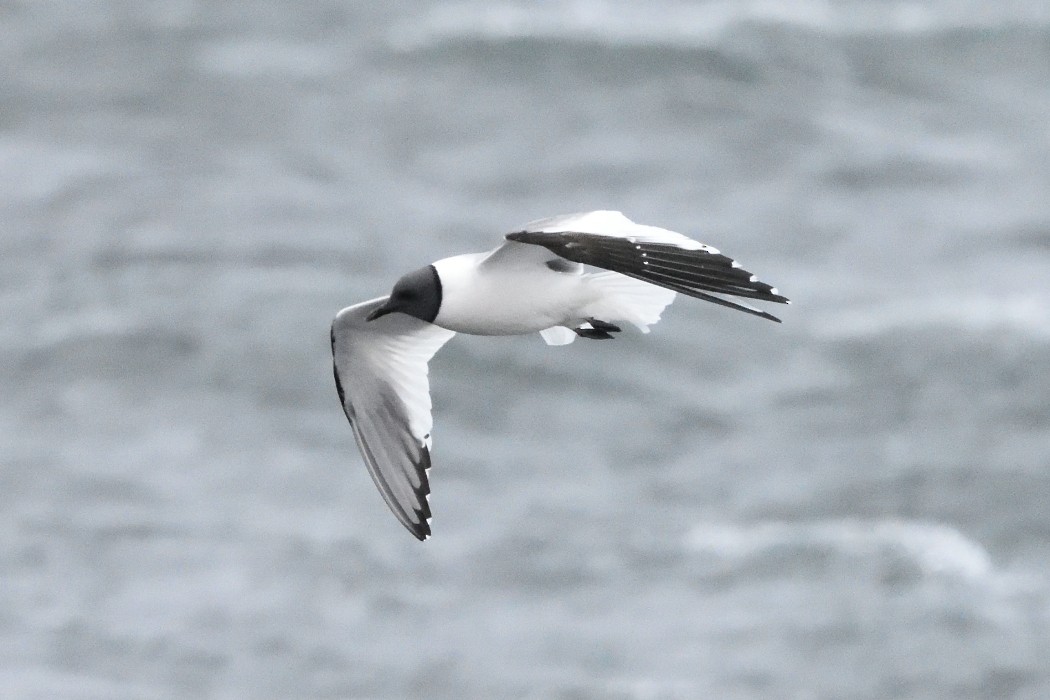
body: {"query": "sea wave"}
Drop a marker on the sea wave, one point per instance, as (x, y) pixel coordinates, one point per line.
(34, 171)
(1024, 314)
(927, 549)
(241, 58)
(689, 24)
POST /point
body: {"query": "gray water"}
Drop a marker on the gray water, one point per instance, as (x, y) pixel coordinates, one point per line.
(854, 504)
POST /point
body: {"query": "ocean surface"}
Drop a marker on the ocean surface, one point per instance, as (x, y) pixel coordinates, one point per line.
(854, 504)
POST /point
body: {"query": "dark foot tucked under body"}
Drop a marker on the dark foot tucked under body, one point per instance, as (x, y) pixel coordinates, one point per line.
(599, 330)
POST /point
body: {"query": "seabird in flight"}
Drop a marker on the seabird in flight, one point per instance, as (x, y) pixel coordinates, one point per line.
(535, 282)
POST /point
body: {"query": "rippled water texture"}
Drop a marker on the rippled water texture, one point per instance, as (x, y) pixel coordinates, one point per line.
(854, 504)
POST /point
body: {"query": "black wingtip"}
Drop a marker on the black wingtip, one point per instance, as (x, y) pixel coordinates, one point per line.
(421, 528)
(766, 314)
(421, 532)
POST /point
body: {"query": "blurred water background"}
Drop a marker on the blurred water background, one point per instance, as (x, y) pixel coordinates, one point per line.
(854, 504)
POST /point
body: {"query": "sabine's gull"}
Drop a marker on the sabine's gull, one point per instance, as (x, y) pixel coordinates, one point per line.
(533, 283)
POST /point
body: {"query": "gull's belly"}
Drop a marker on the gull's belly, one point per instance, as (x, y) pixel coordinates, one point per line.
(511, 304)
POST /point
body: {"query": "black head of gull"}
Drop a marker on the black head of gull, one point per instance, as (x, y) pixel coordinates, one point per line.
(417, 294)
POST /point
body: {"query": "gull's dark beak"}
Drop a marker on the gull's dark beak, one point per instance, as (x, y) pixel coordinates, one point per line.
(381, 311)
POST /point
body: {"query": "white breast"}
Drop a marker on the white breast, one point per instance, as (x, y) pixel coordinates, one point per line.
(505, 300)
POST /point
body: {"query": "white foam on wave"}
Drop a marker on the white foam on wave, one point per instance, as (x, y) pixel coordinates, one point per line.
(46, 331)
(681, 23)
(55, 330)
(30, 681)
(34, 171)
(1025, 314)
(932, 548)
(246, 58)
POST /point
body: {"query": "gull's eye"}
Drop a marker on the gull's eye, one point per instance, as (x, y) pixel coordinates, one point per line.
(404, 295)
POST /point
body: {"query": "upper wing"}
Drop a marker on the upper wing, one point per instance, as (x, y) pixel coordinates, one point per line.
(519, 255)
(381, 377)
(610, 240)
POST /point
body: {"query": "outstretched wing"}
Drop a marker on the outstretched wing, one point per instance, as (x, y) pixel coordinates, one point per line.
(609, 240)
(381, 377)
